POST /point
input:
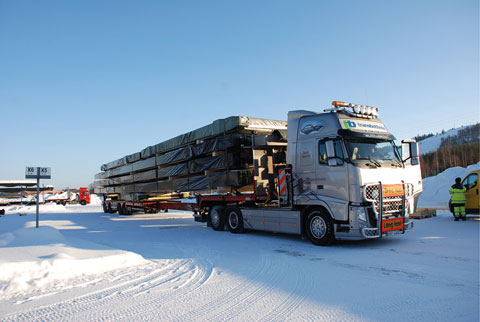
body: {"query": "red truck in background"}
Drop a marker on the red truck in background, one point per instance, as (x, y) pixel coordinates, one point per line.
(82, 197)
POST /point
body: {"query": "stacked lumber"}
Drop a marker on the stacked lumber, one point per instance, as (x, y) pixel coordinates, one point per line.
(214, 158)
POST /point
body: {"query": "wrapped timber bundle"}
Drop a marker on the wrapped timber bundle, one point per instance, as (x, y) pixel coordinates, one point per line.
(215, 158)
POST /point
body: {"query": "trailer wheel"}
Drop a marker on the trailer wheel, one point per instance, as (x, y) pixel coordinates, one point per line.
(83, 202)
(216, 217)
(319, 227)
(104, 205)
(234, 220)
(126, 210)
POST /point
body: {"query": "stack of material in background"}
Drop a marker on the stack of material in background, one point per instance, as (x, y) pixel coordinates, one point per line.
(214, 158)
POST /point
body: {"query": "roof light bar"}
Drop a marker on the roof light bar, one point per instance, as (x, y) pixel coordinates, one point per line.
(357, 109)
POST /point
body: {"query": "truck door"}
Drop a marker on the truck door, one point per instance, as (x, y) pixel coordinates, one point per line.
(332, 180)
(471, 195)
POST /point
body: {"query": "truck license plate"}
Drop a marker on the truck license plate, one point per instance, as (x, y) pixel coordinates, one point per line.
(392, 224)
(392, 190)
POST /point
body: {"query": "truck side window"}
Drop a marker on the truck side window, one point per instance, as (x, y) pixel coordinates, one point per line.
(322, 153)
(339, 152)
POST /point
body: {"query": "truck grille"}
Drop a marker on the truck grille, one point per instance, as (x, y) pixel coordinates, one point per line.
(391, 204)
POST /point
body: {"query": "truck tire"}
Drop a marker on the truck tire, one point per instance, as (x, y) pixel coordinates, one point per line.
(319, 227)
(234, 218)
(216, 217)
(104, 206)
(119, 209)
(83, 202)
(126, 210)
(110, 209)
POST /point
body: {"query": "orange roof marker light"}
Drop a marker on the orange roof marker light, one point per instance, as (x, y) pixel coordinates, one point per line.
(357, 110)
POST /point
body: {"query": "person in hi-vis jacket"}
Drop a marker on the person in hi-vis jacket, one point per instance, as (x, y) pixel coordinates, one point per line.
(458, 199)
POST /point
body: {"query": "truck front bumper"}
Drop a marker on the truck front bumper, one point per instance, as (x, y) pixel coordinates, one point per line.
(376, 233)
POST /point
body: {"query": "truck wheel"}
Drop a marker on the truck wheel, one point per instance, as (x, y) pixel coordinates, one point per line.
(319, 227)
(126, 210)
(119, 209)
(110, 209)
(216, 217)
(234, 220)
(104, 205)
(83, 202)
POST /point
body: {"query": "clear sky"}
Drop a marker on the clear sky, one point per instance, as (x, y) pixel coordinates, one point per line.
(84, 82)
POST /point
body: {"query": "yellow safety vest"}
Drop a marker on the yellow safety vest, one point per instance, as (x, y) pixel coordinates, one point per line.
(458, 195)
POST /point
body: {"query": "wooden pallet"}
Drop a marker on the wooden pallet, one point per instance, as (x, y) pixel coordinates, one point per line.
(422, 213)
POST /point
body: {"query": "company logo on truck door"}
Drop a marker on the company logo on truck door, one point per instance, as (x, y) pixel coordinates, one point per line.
(363, 126)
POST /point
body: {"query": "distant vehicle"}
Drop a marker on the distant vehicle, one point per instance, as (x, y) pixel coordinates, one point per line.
(471, 183)
(82, 197)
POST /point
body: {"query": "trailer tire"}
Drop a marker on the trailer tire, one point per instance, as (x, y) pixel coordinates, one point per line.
(104, 205)
(234, 218)
(83, 202)
(126, 210)
(216, 218)
(319, 227)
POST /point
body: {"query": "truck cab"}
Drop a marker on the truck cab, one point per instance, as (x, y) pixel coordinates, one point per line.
(83, 196)
(347, 168)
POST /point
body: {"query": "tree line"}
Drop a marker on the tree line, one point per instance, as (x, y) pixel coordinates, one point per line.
(460, 150)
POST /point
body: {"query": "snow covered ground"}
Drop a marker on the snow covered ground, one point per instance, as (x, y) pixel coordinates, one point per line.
(84, 265)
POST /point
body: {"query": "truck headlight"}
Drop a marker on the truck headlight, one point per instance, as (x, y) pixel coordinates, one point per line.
(361, 215)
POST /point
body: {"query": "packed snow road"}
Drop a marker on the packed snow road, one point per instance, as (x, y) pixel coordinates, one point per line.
(174, 269)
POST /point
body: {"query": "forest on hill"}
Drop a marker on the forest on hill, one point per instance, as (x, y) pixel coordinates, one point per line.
(458, 150)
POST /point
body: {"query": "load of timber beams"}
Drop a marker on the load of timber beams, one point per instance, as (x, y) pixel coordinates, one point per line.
(214, 158)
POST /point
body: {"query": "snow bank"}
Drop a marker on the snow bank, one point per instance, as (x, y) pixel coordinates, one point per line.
(35, 257)
(435, 189)
(43, 208)
(95, 200)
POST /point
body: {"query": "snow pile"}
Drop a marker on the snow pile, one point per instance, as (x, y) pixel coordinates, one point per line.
(435, 189)
(95, 200)
(35, 257)
(32, 209)
(63, 195)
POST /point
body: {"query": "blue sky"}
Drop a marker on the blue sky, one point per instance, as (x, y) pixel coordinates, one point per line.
(85, 82)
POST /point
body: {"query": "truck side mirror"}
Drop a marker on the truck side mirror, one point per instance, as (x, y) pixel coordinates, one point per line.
(332, 161)
(410, 151)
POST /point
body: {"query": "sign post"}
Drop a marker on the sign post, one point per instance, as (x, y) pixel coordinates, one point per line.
(38, 173)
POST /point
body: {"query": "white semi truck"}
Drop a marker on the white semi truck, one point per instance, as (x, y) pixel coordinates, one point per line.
(343, 178)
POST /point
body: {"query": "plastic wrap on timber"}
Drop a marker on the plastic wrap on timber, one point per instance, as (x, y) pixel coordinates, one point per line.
(144, 164)
(177, 155)
(101, 175)
(209, 163)
(173, 170)
(150, 175)
(218, 128)
(121, 180)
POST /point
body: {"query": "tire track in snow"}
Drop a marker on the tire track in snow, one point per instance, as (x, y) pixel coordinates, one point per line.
(200, 272)
(302, 288)
(234, 303)
(146, 275)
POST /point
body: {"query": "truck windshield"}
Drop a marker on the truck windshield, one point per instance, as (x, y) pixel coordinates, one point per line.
(375, 151)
